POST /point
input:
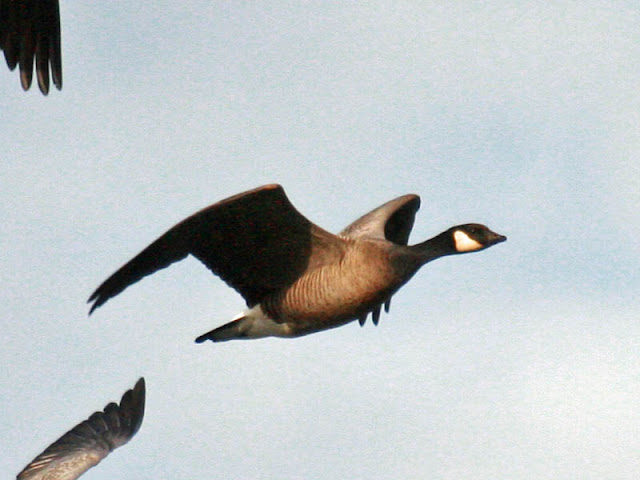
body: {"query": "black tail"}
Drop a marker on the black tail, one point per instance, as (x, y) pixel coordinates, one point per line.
(229, 331)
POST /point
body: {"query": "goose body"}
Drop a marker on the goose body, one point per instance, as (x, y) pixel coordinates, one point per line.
(89, 442)
(344, 287)
(296, 277)
(30, 35)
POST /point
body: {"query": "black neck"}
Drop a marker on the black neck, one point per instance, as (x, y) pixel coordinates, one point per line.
(436, 247)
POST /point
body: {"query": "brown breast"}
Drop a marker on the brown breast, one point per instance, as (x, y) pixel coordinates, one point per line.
(334, 294)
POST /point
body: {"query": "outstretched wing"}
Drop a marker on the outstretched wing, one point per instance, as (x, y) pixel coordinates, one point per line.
(30, 30)
(391, 221)
(256, 241)
(86, 444)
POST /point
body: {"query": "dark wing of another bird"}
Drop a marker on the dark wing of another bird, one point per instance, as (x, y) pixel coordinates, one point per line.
(86, 444)
(256, 241)
(391, 221)
(30, 29)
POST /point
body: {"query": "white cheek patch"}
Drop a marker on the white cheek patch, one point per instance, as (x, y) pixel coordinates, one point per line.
(464, 243)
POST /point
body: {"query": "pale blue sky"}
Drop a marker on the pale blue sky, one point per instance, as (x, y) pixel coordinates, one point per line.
(519, 362)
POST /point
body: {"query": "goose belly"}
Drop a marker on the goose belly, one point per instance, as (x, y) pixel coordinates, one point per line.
(332, 296)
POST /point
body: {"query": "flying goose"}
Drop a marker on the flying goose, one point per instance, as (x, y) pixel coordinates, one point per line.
(30, 31)
(86, 444)
(296, 277)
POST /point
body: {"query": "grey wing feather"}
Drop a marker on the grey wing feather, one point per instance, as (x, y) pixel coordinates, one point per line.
(256, 241)
(30, 32)
(391, 221)
(86, 444)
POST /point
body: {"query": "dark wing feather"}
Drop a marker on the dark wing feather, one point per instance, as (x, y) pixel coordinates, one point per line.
(86, 444)
(391, 221)
(257, 242)
(30, 32)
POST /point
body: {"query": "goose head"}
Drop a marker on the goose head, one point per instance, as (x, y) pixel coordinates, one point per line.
(465, 238)
(472, 237)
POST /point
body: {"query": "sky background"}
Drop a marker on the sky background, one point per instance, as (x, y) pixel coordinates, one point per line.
(522, 361)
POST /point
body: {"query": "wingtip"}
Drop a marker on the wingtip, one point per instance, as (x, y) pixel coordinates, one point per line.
(91, 440)
(132, 407)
